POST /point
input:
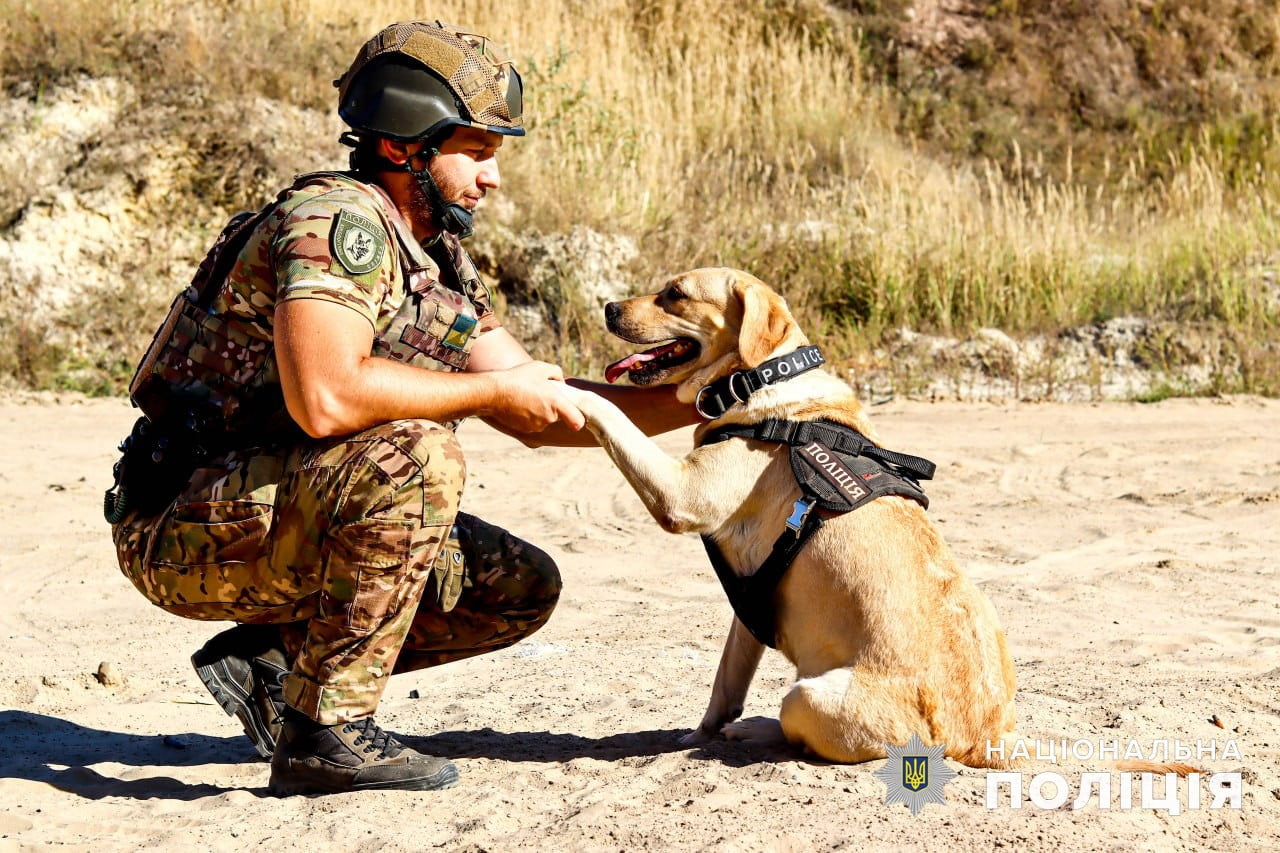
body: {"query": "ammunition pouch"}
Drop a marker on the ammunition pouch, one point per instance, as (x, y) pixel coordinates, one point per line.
(155, 465)
(205, 366)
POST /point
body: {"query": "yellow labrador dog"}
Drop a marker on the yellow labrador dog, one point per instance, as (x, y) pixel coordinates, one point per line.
(888, 636)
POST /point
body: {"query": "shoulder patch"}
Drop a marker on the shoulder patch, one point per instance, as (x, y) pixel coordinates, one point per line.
(358, 243)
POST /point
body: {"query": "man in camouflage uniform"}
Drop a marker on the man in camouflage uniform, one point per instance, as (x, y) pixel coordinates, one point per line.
(339, 337)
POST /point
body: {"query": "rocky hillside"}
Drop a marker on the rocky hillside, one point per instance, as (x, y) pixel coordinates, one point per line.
(114, 177)
(1091, 82)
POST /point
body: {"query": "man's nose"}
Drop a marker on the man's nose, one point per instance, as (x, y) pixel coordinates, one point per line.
(489, 178)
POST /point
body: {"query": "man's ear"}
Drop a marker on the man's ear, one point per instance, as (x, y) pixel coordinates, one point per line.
(765, 321)
(397, 152)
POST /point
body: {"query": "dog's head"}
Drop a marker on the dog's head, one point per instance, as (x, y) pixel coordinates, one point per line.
(708, 322)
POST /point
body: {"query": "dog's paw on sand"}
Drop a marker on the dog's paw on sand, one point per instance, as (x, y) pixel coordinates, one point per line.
(697, 737)
(755, 730)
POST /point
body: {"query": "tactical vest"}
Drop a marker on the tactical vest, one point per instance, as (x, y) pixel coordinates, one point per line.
(209, 383)
(215, 372)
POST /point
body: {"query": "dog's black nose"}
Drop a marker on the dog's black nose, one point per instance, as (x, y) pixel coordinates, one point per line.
(611, 312)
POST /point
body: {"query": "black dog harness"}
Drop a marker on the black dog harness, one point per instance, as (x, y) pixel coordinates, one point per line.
(837, 469)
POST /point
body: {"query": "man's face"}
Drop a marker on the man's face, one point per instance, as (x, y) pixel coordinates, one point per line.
(465, 170)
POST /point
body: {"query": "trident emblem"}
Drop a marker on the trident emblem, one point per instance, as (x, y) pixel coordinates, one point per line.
(915, 772)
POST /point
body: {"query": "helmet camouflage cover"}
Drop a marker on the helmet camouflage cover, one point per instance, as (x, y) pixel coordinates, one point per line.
(417, 79)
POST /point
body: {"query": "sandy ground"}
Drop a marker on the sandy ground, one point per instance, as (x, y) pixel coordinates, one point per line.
(1130, 551)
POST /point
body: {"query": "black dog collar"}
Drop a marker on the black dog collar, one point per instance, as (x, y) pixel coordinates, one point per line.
(716, 399)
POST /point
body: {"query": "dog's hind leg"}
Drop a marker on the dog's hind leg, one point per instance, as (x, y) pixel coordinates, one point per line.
(847, 716)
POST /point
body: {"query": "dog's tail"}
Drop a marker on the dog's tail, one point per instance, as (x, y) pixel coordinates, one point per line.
(993, 755)
(1158, 767)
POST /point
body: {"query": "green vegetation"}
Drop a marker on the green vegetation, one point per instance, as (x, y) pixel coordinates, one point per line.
(1020, 164)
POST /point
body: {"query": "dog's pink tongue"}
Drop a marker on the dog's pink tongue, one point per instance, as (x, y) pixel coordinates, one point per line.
(614, 371)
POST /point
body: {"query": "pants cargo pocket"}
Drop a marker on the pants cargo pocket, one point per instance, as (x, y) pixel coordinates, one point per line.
(214, 552)
(368, 572)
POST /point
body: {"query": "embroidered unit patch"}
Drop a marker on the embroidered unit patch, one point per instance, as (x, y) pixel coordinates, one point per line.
(357, 243)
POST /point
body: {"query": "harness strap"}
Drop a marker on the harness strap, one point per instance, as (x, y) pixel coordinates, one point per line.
(752, 596)
(833, 435)
(211, 274)
(881, 473)
(448, 272)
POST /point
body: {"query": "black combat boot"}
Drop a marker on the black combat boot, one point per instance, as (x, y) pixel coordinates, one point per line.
(244, 669)
(312, 758)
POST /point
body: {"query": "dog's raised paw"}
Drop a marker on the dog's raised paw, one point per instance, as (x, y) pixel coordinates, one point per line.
(755, 730)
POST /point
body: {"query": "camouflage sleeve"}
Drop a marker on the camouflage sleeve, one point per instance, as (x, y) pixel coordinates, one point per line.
(336, 247)
(475, 289)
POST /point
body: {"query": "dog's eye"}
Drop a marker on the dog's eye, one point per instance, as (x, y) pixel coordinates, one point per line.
(675, 294)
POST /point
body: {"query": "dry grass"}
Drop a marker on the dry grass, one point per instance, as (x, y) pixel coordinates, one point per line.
(748, 135)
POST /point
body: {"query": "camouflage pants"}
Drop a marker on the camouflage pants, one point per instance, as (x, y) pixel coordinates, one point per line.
(356, 547)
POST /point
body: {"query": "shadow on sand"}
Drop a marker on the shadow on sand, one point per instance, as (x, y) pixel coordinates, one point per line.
(564, 746)
(42, 748)
(58, 752)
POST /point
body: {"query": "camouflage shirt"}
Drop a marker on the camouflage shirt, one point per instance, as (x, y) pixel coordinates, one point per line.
(332, 238)
(327, 237)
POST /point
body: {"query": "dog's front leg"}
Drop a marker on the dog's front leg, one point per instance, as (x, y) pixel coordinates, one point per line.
(666, 486)
(738, 664)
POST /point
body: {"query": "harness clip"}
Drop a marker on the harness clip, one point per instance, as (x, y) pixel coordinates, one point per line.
(798, 514)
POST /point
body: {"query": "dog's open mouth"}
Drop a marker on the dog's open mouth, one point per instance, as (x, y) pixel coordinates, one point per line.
(642, 367)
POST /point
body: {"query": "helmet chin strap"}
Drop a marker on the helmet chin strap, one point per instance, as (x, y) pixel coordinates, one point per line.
(449, 215)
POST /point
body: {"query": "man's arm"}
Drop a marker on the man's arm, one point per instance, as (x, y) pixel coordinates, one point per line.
(653, 410)
(333, 386)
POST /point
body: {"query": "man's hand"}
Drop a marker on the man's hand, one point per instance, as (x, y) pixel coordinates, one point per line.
(530, 397)
(594, 408)
(654, 410)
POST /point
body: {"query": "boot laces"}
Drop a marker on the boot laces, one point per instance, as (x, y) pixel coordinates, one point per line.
(377, 740)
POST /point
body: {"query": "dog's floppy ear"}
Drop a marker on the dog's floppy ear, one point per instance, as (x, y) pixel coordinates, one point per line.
(765, 321)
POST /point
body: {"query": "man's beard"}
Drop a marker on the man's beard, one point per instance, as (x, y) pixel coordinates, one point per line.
(421, 206)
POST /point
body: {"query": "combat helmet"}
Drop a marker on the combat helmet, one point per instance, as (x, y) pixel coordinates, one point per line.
(416, 81)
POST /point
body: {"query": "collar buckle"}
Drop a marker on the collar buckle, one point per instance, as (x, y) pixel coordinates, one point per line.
(698, 404)
(739, 385)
